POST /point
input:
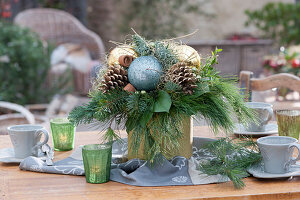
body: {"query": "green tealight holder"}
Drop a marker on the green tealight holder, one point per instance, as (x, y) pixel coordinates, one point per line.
(97, 162)
(63, 134)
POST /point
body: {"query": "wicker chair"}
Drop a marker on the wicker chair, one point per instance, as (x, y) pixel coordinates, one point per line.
(60, 27)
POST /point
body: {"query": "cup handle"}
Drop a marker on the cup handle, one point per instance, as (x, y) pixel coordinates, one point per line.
(270, 112)
(293, 160)
(40, 144)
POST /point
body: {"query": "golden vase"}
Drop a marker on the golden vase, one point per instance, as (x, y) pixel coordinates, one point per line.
(185, 143)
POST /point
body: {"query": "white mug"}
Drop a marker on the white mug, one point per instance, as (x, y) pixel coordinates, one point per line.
(263, 113)
(277, 152)
(26, 139)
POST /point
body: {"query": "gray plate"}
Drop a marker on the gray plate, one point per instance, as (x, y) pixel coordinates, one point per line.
(270, 130)
(7, 155)
(258, 172)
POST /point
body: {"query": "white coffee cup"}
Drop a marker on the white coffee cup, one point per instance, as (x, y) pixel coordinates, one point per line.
(263, 113)
(26, 139)
(277, 152)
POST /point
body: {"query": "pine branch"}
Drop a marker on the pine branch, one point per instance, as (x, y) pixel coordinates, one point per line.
(84, 114)
(165, 55)
(110, 136)
(235, 100)
(141, 46)
(230, 158)
(103, 107)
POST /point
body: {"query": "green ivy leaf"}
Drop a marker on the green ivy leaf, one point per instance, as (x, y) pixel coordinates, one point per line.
(163, 102)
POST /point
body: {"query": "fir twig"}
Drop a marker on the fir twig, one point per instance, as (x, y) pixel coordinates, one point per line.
(230, 158)
(110, 136)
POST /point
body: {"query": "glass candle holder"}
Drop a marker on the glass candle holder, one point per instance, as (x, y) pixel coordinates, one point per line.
(288, 123)
(97, 162)
(63, 134)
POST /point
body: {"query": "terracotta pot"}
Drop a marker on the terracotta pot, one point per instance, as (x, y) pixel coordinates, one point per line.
(185, 142)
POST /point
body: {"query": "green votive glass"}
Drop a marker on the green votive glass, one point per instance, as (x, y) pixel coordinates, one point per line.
(96, 162)
(288, 123)
(63, 134)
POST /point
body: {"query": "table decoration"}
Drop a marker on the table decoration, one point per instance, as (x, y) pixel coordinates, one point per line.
(63, 134)
(155, 97)
(97, 161)
(288, 123)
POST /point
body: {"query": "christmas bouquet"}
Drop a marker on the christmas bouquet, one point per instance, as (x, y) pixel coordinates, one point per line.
(153, 88)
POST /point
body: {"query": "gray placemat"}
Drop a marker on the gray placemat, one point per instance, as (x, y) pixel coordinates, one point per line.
(178, 171)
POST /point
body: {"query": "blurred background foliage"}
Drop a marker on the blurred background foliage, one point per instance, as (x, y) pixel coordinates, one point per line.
(279, 21)
(158, 19)
(24, 65)
(57, 4)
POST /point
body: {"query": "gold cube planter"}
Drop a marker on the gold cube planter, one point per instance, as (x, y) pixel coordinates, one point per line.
(185, 143)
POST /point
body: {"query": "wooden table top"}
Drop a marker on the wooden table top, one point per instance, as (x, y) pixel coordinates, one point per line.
(17, 184)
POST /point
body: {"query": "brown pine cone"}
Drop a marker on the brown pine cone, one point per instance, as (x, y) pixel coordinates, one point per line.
(116, 76)
(182, 75)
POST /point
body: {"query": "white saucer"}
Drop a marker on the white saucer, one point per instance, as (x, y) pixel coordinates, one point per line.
(269, 130)
(258, 172)
(7, 155)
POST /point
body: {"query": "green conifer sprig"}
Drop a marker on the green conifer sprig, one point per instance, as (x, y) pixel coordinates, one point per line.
(141, 46)
(230, 158)
(158, 49)
(165, 55)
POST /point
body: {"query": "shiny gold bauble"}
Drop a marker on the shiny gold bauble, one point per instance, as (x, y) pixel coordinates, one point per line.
(188, 55)
(113, 58)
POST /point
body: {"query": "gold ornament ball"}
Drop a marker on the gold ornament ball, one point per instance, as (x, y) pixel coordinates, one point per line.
(188, 55)
(113, 58)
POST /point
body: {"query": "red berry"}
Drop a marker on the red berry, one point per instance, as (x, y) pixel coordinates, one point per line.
(296, 63)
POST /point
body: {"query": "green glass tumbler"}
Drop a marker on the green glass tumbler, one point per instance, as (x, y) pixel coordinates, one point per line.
(288, 123)
(63, 134)
(97, 162)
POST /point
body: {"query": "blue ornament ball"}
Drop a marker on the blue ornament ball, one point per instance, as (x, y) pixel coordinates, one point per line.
(144, 73)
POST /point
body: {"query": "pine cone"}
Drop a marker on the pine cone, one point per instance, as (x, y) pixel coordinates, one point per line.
(115, 77)
(182, 75)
